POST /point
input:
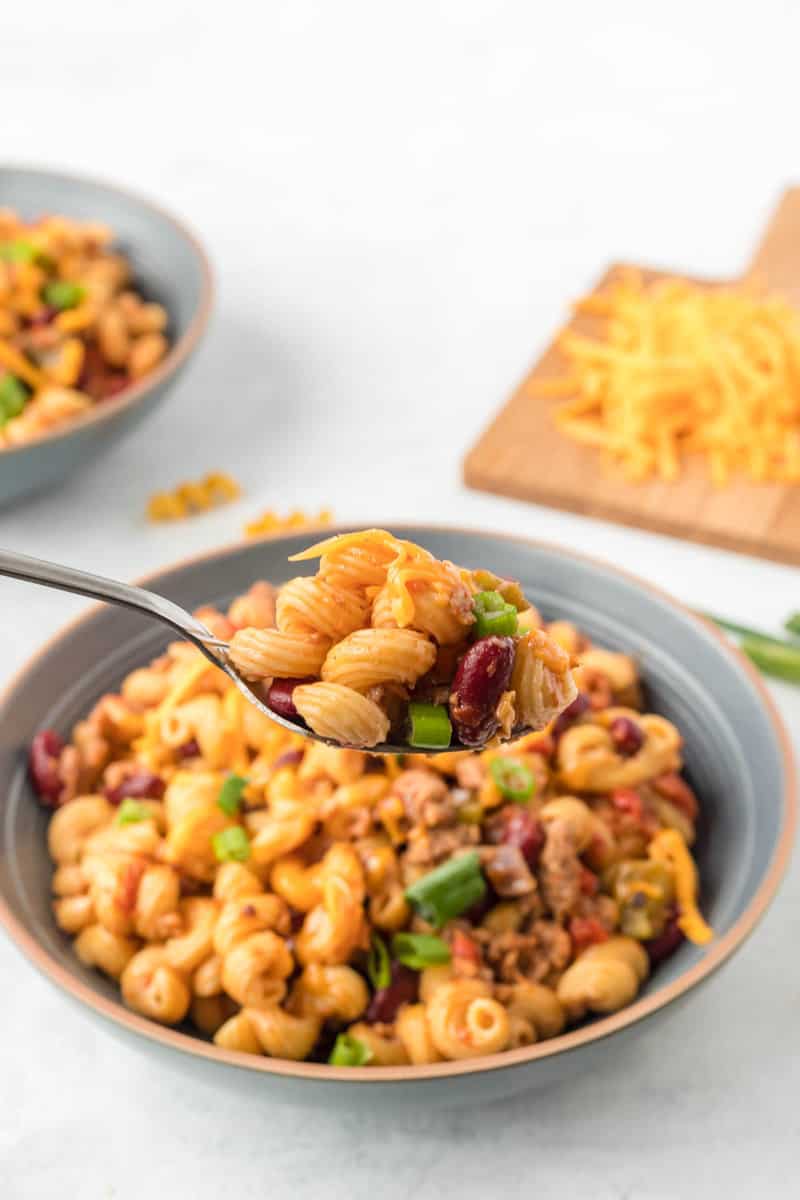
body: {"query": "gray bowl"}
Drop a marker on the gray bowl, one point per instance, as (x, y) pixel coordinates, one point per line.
(737, 757)
(169, 266)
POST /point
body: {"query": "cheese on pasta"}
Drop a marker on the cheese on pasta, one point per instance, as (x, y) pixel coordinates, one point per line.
(668, 847)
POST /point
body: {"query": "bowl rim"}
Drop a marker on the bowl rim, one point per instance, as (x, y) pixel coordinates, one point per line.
(178, 352)
(597, 1030)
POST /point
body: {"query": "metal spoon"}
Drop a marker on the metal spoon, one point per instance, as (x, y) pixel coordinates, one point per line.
(111, 591)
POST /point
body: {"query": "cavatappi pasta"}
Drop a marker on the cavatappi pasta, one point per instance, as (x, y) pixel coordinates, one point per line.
(73, 329)
(386, 643)
(297, 900)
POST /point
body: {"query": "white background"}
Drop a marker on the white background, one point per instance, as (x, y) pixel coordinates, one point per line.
(399, 201)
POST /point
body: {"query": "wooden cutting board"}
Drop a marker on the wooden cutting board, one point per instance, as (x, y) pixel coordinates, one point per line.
(523, 455)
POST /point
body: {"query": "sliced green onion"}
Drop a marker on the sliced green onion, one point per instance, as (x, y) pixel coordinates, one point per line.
(487, 602)
(449, 890)
(13, 395)
(743, 630)
(60, 293)
(231, 845)
(793, 624)
(515, 781)
(230, 794)
(132, 810)
(430, 725)
(379, 965)
(18, 251)
(420, 950)
(494, 615)
(348, 1051)
(779, 659)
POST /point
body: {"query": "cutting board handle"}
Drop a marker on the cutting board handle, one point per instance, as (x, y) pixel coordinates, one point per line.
(776, 263)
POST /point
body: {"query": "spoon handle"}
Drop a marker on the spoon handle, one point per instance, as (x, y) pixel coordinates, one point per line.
(68, 579)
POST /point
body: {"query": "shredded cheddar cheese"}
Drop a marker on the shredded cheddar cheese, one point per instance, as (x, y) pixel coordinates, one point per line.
(669, 847)
(177, 694)
(681, 369)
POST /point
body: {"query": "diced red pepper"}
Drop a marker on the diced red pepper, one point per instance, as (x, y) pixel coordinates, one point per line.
(675, 789)
(628, 801)
(586, 931)
(128, 887)
(589, 882)
(463, 946)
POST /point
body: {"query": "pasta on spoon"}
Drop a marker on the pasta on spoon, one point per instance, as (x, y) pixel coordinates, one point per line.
(386, 640)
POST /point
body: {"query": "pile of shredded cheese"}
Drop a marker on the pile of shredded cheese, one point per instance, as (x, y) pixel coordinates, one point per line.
(681, 369)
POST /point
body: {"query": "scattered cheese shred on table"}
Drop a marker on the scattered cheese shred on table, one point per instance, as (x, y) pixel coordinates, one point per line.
(189, 498)
(272, 522)
(681, 369)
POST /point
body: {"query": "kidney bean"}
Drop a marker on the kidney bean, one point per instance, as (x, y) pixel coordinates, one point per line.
(190, 749)
(279, 697)
(667, 942)
(43, 757)
(43, 316)
(570, 714)
(626, 736)
(386, 1002)
(516, 826)
(675, 789)
(139, 785)
(289, 758)
(483, 674)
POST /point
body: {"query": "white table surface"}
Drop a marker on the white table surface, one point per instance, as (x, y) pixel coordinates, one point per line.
(399, 202)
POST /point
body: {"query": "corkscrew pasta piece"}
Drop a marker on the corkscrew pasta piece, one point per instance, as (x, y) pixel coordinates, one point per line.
(98, 947)
(237, 1033)
(541, 680)
(335, 928)
(187, 950)
(152, 987)
(249, 914)
(209, 1013)
(604, 978)
(255, 970)
(188, 499)
(339, 713)
(282, 1034)
(73, 823)
(74, 913)
(331, 993)
(270, 522)
(238, 875)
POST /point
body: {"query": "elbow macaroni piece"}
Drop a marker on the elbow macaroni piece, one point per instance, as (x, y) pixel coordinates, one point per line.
(604, 978)
(465, 1021)
(413, 1030)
